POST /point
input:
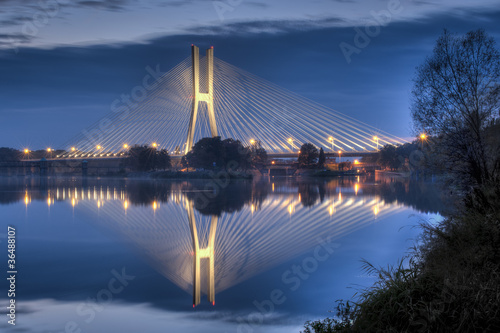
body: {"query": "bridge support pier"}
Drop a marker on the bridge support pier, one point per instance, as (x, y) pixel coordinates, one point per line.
(198, 96)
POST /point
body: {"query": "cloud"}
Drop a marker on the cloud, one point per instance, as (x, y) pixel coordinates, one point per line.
(112, 5)
(268, 26)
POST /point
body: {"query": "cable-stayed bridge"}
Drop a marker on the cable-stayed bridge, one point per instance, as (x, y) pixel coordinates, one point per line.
(209, 97)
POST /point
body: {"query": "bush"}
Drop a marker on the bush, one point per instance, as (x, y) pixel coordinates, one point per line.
(451, 283)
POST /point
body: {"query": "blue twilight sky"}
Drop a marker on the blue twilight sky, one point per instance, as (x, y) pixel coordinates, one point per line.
(63, 62)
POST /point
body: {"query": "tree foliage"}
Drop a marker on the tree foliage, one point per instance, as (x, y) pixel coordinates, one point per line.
(456, 96)
(321, 158)
(258, 155)
(9, 155)
(308, 155)
(228, 154)
(144, 158)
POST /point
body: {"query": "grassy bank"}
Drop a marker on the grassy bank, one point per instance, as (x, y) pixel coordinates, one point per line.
(450, 283)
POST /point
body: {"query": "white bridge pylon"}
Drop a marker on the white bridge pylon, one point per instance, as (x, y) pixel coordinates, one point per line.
(198, 96)
(203, 253)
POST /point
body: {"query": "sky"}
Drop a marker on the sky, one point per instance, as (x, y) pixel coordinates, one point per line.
(62, 63)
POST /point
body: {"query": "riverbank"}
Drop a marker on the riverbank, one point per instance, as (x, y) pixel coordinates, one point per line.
(449, 283)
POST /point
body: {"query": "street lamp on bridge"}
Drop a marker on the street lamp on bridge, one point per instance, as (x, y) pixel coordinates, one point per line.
(291, 143)
(340, 156)
(332, 140)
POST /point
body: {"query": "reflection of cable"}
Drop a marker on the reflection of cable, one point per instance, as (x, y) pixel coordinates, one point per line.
(246, 108)
(246, 242)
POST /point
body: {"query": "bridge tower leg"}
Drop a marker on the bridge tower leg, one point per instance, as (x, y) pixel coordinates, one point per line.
(198, 96)
(199, 254)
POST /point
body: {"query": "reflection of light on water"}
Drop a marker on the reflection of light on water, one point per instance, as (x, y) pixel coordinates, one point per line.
(26, 199)
(273, 187)
(356, 188)
(247, 241)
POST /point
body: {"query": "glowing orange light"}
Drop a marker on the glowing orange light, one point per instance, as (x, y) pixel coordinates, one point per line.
(125, 146)
(423, 136)
(26, 151)
(330, 138)
(155, 144)
(290, 140)
(356, 189)
(356, 162)
(99, 147)
(273, 162)
(73, 202)
(252, 141)
(375, 210)
(73, 148)
(155, 205)
(49, 150)
(125, 205)
(340, 152)
(375, 138)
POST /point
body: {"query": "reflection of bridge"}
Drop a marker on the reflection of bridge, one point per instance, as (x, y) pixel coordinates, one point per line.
(208, 254)
(270, 223)
(172, 113)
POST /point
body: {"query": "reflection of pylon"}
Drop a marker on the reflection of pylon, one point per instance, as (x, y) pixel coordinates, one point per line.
(207, 97)
(199, 254)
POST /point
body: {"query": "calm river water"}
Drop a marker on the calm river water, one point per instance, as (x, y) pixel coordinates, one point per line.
(115, 255)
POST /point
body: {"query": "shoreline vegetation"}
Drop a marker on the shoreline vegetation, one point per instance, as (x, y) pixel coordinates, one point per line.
(450, 280)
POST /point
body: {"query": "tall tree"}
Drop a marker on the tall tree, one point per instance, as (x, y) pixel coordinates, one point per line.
(456, 96)
(321, 158)
(258, 155)
(308, 155)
